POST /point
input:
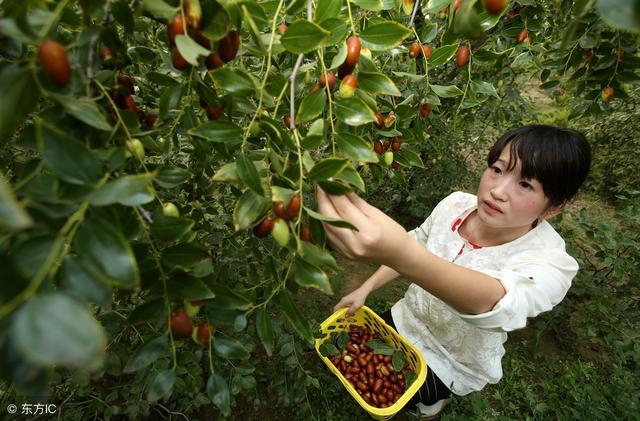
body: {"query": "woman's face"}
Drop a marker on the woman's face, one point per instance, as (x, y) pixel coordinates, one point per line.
(506, 200)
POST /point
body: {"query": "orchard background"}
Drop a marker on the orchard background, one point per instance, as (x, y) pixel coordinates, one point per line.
(144, 143)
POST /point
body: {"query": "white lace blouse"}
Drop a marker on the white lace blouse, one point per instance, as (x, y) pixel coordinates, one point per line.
(465, 350)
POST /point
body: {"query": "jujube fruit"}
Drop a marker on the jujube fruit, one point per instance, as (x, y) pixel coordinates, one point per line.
(169, 209)
(331, 79)
(462, 56)
(407, 6)
(150, 119)
(607, 94)
(379, 120)
(178, 61)
(55, 62)
(348, 86)
(522, 36)
(280, 232)
(494, 7)
(214, 61)
(426, 51)
(293, 208)
(176, 27)
(353, 50)
(229, 46)
(205, 331)
(214, 113)
(181, 325)
(192, 307)
(264, 228)
(280, 210)
(425, 109)
(395, 144)
(282, 27)
(126, 81)
(136, 148)
(415, 50)
(193, 11)
(305, 234)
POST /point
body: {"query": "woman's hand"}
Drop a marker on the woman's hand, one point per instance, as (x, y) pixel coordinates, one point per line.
(354, 300)
(379, 238)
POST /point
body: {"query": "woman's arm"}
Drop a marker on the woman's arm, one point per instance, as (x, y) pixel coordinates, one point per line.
(381, 239)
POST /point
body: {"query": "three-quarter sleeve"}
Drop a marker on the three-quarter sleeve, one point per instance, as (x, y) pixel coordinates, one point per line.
(534, 282)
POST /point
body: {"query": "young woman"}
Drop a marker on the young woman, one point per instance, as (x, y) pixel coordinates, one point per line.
(480, 265)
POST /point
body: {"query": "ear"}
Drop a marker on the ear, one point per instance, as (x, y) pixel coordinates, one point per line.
(553, 211)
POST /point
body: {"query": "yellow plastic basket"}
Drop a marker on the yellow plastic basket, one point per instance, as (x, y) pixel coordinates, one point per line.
(337, 322)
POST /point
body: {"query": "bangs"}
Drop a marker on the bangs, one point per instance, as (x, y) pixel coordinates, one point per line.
(558, 158)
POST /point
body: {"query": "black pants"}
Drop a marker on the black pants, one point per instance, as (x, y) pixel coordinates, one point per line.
(433, 389)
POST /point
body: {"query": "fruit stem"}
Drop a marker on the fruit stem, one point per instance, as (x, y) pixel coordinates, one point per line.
(163, 277)
(275, 290)
(466, 86)
(413, 15)
(426, 62)
(353, 26)
(267, 70)
(328, 89)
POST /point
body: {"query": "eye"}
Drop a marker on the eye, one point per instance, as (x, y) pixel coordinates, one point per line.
(526, 185)
(496, 169)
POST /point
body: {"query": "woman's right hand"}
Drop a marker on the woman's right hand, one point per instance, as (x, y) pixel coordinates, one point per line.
(354, 300)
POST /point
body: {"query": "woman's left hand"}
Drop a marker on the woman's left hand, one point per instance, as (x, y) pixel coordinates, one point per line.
(379, 238)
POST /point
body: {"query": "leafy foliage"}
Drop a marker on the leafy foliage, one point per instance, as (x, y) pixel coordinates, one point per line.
(218, 109)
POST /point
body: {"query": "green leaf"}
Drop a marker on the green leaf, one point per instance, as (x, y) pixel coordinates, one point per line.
(18, 98)
(169, 228)
(129, 190)
(218, 392)
(327, 168)
(351, 176)
(29, 255)
(218, 131)
(312, 106)
(248, 173)
(397, 360)
(183, 255)
(70, 159)
(106, 254)
(310, 276)
(337, 28)
(81, 284)
(373, 5)
(150, 311)
(357, 148)
(229, 348)
(442, 55)
(446, 91)
(148, 353)
(12, 215)
(161, 385)
(235, 82)
(327, 9)
(248, 209)
(264, 329)
(84, 110)
(227, 298)
(482, 87)
(169, 100)
(190, 50)
(429, 32)
(159, 8)
(339, 58)
(216, 20)
(379, 347)
(303, 36)
(384, 35)
(334, 188)
(377, 83)
(620, 14)
(291, 312)
(327, 349)
(316, 255)
(169, 177)
(187, 287)
(54, 330)
(407, 157)
(354, 111)
(329, 220)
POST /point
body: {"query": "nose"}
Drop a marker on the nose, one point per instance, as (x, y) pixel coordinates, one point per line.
(500, 189)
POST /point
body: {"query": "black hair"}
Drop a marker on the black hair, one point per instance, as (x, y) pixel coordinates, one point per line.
(558, 158)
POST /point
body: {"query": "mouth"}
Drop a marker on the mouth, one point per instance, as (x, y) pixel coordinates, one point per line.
(491, 207)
